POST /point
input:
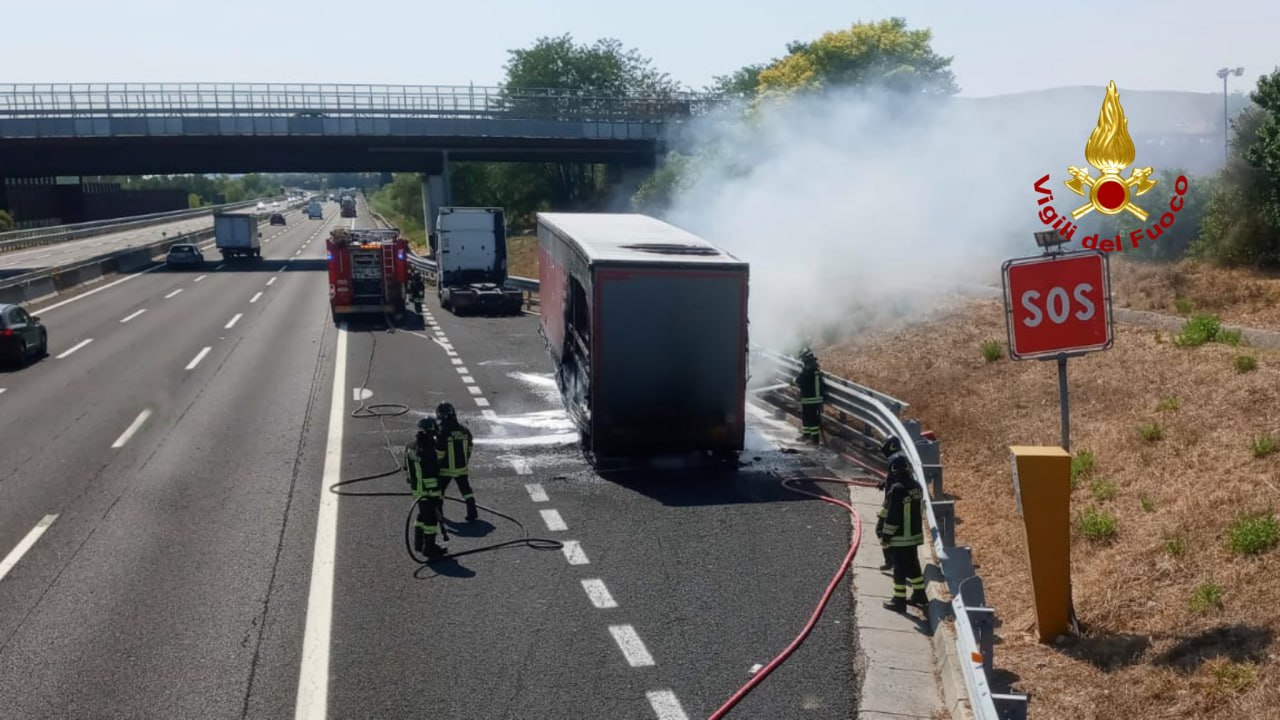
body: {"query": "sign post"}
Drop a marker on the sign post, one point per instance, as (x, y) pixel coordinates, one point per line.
(1058, 306)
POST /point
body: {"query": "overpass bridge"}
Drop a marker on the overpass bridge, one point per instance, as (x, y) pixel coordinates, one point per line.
(136, 129)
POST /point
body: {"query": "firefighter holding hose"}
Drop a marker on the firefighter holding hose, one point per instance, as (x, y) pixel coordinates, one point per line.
(453, 446)
(813, 392)
(900, 529)
(422, 472)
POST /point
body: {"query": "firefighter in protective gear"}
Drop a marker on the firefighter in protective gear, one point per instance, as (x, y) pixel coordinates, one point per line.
(416, 290)
(813, 392)
(422, 472)
(890, 446)
(901, 532)
(453, 444)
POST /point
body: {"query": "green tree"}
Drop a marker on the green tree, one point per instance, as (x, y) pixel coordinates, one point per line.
(603, 68)
(1175, 242)
(193, 200)
(660, 189)
(6, 221)
(741, 83)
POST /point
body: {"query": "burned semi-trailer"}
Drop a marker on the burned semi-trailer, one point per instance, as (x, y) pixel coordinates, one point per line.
(647, 326)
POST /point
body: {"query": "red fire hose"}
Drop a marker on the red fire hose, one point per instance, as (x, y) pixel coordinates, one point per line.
(826, 595)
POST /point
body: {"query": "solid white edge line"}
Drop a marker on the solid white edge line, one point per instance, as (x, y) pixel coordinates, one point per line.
(313, 679)
(196, 360)
(666, 705)
(25, 544)
(94, 291)
(73, 348)
(133, 428)
(554, 522)
(536, 492)
(131, 316)
(599, 594)
(254, 299)
(631, 645)
(573, 553)
(233, 321)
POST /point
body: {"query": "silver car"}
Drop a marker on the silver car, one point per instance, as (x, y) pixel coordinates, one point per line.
(184, 255)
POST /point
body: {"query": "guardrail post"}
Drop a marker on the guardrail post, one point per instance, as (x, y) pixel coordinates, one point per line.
(945, 512)
(983, 621)
(933, 476)
(1010, 706)
(913, 429)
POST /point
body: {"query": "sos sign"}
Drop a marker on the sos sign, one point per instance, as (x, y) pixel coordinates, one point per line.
(1057, 304)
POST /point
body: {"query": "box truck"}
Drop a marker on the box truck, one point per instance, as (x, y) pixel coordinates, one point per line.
(646, 324)
(236, 235)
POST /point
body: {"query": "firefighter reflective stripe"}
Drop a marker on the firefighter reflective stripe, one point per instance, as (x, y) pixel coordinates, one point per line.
(917, 583)
(422, 486)
(815, 396)
(906, 536)
(899, 591)
(428, 529)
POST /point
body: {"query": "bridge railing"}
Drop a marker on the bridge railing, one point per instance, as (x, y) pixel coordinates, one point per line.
(330, 100)
(858, 420)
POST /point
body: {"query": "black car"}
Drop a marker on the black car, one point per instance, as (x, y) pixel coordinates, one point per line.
(184, 254)
(22, 335)
(277, 219)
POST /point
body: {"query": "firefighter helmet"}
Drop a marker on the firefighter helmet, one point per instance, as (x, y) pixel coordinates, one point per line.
(428, 425)
(445, 412)
(890, 445)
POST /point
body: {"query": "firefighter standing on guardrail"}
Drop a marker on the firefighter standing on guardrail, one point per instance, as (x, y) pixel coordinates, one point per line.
(422, 472)
(901, 531)
(813, 392)
(454, 450)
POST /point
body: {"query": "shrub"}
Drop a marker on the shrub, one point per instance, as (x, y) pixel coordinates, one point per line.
(1102, 489)
(1198, 330)
(1253, 534)
(1183, 305)
(1229, 337)
(1232, 678)
(1098, 525)
(1262, 445)
(1081, 464)
(1206, 596)
(991, 350)
(1151, 431)
(1169, 403)
(1175, 546)
(1246, 363)
(1148, 503)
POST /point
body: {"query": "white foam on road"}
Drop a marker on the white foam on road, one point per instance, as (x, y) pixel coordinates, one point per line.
(313, 679)
(133, 428)
(666, 705)
(599, 594)
(543, 385)
(631, 645)
(555, 439)
(554, 522)
(25, 544)
(573, 553)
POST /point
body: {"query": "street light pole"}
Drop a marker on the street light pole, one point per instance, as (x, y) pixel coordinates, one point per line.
(1226, 122)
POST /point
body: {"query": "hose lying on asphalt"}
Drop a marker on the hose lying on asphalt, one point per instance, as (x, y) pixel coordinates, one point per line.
(380, 411)
(826, 595)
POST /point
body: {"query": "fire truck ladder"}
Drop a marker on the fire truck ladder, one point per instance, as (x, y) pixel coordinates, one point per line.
(388, 268)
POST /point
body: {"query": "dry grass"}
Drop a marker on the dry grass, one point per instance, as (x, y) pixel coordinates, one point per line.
(1238, 296)
(1147, 652)
(522, 256)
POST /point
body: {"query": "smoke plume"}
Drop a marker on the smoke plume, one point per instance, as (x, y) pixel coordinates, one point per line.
(857, 207)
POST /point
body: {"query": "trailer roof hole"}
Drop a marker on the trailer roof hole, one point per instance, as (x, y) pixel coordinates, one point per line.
(673, 249)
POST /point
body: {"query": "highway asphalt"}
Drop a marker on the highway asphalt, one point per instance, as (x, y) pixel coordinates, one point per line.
(197, 567)
(19, 262)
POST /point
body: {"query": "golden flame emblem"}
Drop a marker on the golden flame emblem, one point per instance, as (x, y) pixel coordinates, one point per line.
(1110, 150)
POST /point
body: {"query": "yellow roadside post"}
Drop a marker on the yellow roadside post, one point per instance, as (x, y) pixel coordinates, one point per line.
(1042, 488)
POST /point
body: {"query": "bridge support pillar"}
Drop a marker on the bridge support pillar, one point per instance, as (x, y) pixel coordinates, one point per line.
(625, 182)
(435, 192)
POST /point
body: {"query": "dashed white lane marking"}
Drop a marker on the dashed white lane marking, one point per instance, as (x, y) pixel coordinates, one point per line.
(474, 389)
(467, 379)
(200, 278)
(666, 705)
(270, 281)
(254, 299)
(196, 360)
(233, 322)
(25, 544)
(450, 351)
(133, 428)
(2, 391)
(536, 492)
(74, 348)
(630, 644)
(456, 361)
(280, 270)
(522, 467)
(554, 522)
(313, 680)
(489, 415)
(461, 370)
(220, 266)
(599, 594)
(175, 292)
(482, 402)
(573, 553)
(131, 316)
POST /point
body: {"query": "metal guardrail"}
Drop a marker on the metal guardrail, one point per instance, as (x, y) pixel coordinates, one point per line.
(428, 269)
(862, 419)
(336, 100)
(52, 235)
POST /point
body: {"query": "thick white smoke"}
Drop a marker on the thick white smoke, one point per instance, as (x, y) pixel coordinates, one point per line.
(851, 205)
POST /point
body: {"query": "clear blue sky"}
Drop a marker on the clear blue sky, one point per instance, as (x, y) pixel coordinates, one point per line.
(999, 46)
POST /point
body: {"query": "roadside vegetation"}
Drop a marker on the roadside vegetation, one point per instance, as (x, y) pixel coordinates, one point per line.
(1174, 538)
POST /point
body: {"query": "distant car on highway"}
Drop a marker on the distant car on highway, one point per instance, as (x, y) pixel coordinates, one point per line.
(277, 219)
(262, 205)
(184, 254)
(22, 335)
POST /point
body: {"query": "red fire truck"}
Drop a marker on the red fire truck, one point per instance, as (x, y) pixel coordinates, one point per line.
(368, 271)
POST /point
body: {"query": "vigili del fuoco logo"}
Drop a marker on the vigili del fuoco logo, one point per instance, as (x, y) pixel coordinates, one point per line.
(1110, 150)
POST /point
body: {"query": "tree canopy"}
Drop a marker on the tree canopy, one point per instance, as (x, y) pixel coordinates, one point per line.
(604, 67)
